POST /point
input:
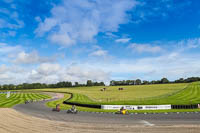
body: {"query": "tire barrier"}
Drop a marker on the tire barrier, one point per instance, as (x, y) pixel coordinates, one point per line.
(194, 106)
(83, 105)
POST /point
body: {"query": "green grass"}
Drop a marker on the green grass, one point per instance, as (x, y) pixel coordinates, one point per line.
(132, 94)
(18, 98)
(52, 104)
(135, 95)
(188, 95)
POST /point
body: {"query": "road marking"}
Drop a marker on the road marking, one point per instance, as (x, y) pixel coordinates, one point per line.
(146, 123)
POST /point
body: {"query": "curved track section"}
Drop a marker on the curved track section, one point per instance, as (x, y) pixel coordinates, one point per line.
(39, 109)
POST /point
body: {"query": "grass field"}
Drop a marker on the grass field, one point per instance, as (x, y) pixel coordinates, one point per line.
(140, 94)
(52, 104)
(17, 98)
(174, 94)
(186, 95)
(129, 93)
(135, 95)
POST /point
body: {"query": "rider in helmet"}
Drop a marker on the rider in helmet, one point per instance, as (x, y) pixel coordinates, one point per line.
(73, 108)
(122, 110)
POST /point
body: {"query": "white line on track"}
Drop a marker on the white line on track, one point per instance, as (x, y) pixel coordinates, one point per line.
(146, 123)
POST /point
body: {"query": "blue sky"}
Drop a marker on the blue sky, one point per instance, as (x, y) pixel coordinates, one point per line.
(55, 40)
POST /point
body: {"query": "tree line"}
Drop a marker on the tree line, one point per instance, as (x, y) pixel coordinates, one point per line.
(145, 82)
(91, 83)
(43, 85)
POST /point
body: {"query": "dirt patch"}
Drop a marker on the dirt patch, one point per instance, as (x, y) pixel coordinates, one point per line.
(15, 122)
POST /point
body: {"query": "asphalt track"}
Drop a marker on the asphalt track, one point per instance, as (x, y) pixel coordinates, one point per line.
(38, 109)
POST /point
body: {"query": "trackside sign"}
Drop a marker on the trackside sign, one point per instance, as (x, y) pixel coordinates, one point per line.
(136, 107)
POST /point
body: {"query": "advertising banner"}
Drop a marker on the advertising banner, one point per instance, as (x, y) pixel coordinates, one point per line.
(136, 107)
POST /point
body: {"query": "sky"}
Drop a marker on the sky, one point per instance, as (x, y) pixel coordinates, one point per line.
(49, 41)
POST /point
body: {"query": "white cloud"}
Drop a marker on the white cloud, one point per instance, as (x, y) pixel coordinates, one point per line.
(80, 21)
(62, 39)
(47, 68)
(11, 21)
(31, 58)
(18, 55)
(38, 19)
(8, 50)
(3, 68)
(190, 43)
(173, 64)
(52, 73)
(123, 40)
(99, 53)
(12, 74)
(141, 48)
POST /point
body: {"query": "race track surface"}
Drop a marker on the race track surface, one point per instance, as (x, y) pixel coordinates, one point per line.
(39, 109)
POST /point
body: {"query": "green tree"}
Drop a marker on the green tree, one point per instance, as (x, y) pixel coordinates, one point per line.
(89, 83)
(164, 80)
(138, 82)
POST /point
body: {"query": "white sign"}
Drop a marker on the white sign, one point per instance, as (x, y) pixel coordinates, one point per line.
(136, 107)
(8, 94)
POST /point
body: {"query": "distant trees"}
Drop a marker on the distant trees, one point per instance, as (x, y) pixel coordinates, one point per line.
(90, 83)
(65, 84)
(124, 82)
(62, 84)
(145, 82)
(188, 80)
(138, 82)
(164, 80)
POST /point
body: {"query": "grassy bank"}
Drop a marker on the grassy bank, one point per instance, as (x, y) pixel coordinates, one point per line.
(18, 98)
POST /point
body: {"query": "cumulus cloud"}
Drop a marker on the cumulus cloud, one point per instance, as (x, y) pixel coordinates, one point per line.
(123, 40)
(80, 21)
(99, 53)
(8, 50)
(51, 73)
(142, 48)
(47, 68)
(3, 68)
(31, 58)
(173, 64)
(18, 55)
(10, 74)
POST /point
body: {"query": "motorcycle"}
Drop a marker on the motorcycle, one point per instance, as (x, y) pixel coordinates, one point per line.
(70, 111)
(122, 112)
(57, 109)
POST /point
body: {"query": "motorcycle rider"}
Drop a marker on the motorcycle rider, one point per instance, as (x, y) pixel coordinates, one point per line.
(123, 110)
(73, 109)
